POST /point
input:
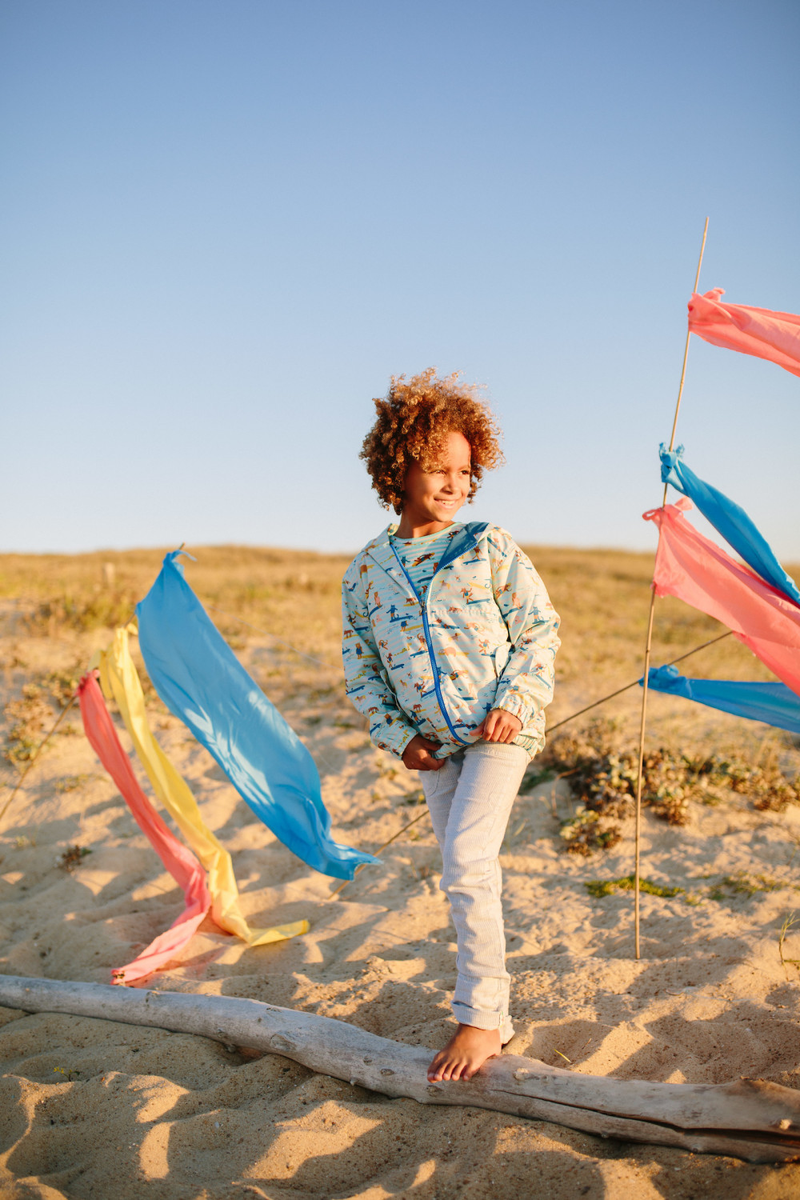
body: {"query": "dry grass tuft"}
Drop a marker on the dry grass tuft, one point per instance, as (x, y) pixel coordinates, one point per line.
(601, 771)
(72, 857)
(27, 717)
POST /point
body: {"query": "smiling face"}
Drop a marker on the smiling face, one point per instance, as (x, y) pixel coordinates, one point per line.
(432, 498)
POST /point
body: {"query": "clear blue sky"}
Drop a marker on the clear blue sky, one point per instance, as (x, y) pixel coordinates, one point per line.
(225, 225)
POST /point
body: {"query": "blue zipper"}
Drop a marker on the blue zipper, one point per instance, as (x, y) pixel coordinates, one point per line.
(431, 654)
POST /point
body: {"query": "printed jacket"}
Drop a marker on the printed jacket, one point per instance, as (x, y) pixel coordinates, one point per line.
(486, 637)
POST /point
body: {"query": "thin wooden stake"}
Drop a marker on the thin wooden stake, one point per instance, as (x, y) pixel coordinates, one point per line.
(642, 722)
(649, 640)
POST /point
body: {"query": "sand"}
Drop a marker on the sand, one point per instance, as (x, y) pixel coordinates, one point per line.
(98, 1109)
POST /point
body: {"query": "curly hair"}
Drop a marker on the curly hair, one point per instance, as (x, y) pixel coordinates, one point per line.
(412, 425)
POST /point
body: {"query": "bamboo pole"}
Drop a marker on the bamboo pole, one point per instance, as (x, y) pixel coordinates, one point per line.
(649, 639)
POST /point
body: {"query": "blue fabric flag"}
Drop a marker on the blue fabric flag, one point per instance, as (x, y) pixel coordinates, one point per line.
(729, 520)
(772, 703)
(202, 682)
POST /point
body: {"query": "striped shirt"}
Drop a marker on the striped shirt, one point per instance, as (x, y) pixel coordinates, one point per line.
(421, 555)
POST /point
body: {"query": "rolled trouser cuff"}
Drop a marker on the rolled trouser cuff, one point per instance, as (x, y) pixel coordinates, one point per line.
(466, 1015)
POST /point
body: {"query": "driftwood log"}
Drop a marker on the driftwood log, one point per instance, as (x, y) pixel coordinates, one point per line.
(749, 1119)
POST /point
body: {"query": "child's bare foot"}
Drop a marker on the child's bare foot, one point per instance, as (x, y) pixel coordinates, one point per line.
(467, 1051)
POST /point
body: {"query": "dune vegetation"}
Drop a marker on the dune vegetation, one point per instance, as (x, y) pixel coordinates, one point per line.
(89, 1108)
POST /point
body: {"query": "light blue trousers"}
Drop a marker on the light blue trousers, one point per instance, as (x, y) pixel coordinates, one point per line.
(470, 801)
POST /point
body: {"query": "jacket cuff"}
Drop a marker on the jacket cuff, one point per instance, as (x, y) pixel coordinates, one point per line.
(394, 737)
(514, 704)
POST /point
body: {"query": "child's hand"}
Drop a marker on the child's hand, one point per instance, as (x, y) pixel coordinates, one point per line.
(499, 726)
(418, 755)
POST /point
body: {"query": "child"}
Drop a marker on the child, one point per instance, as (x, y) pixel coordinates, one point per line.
(448, 644)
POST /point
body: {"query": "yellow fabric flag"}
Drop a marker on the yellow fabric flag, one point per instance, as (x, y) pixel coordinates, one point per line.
(120, 680)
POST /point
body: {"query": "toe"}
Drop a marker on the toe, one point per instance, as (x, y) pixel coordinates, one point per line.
(435, 1069)
(461, 1070)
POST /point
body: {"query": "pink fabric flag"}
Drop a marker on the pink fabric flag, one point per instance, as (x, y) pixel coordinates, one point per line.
(758, 331)
(696, 570)
(178, 860)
